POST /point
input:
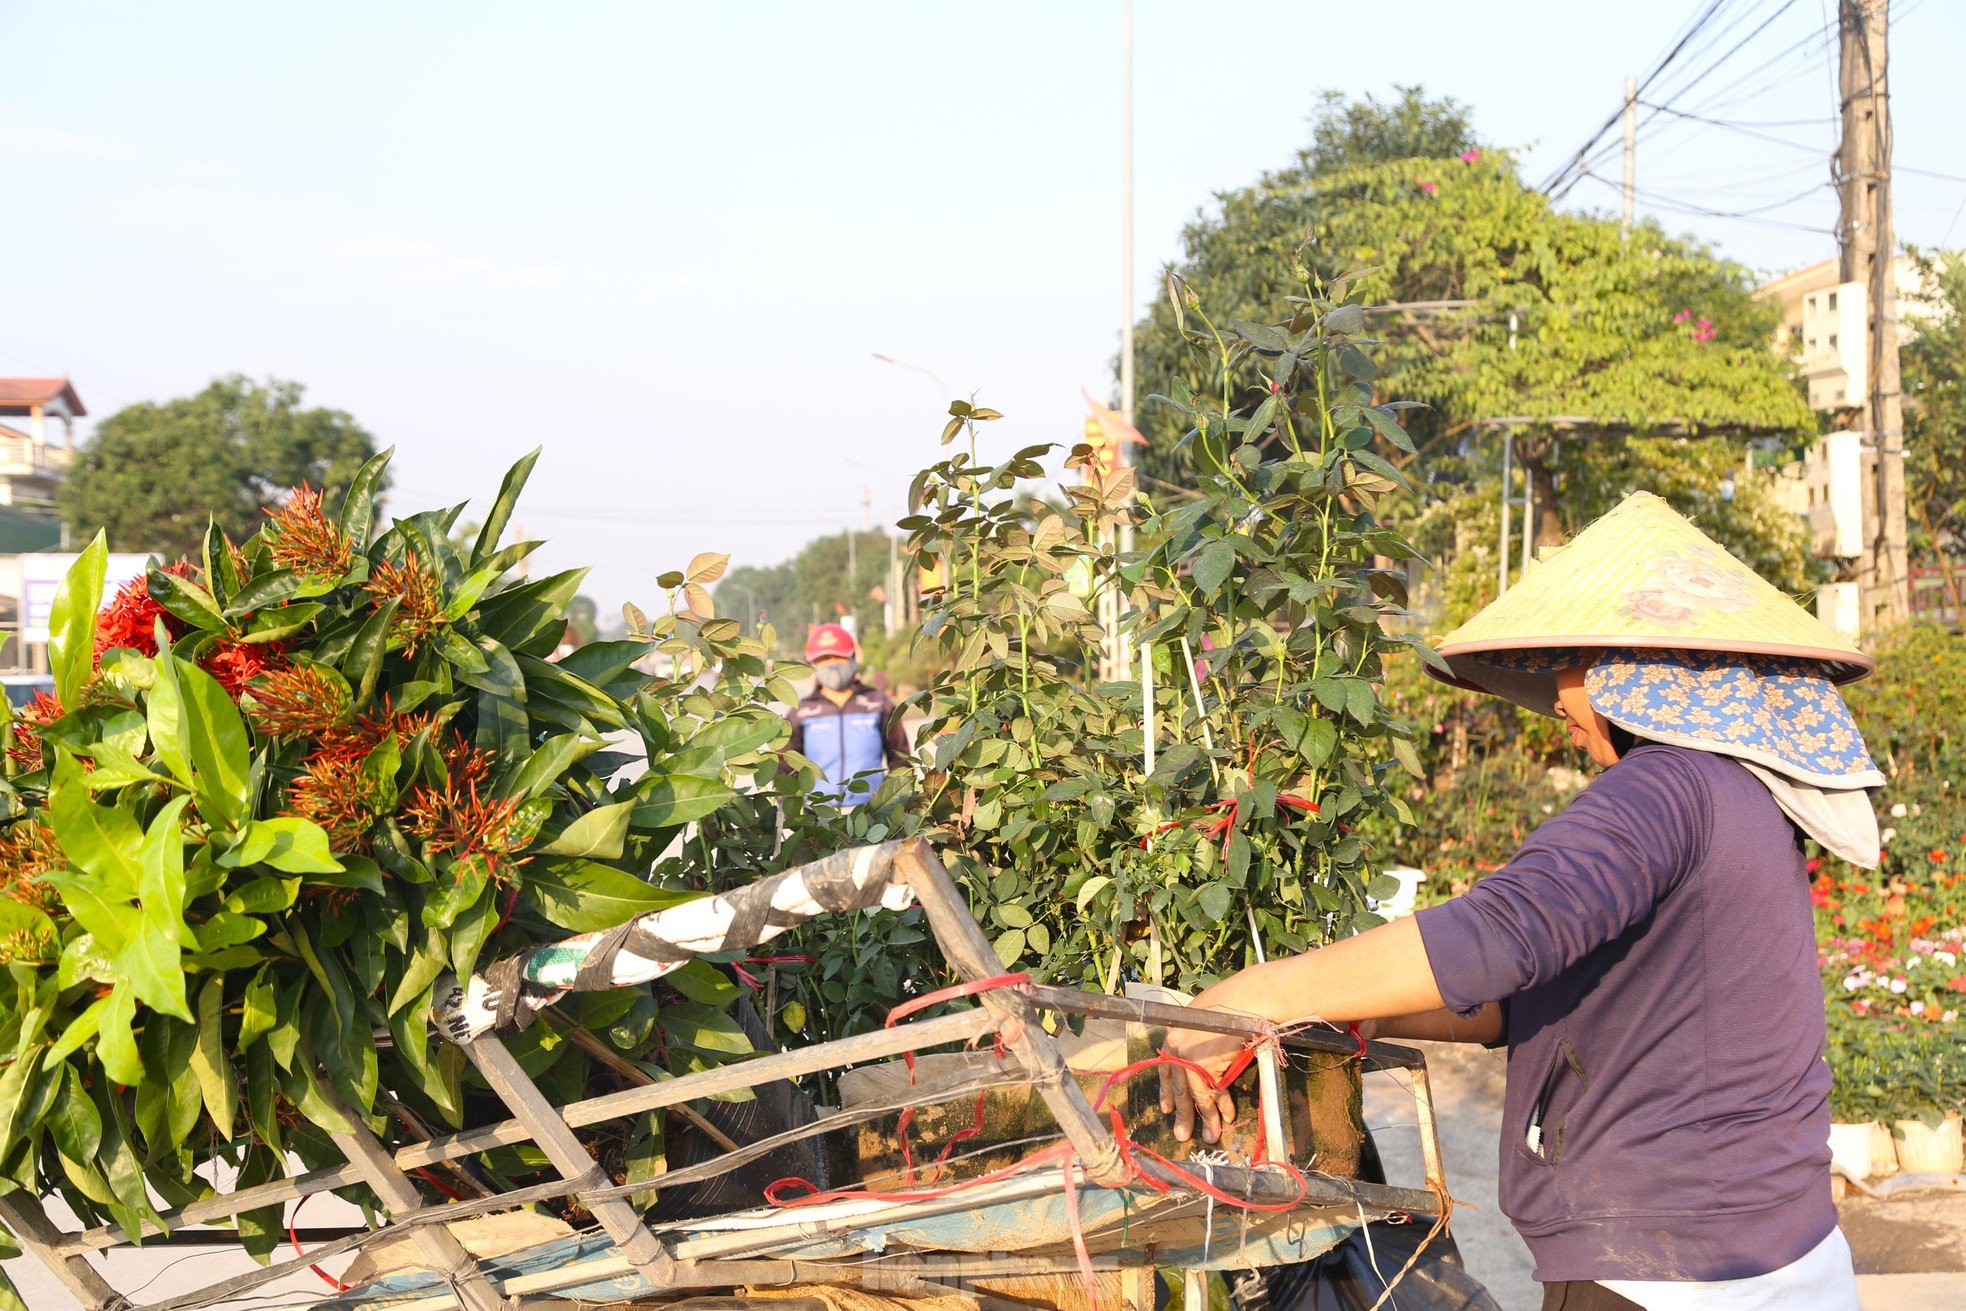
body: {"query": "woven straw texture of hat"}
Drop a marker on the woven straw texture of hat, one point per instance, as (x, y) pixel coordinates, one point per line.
(1644, 576)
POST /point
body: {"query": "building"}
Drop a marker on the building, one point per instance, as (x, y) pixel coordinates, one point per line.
(1826, 330)
(32, 469)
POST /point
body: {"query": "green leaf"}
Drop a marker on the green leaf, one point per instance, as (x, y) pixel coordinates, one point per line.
(501, 510)
(666, 800)
(74, 1120)
(116, 1045)
(1361, 700)
(281, 622)
(265, 590)
(209, 1065)
(263, 896)
(1213, 565)
(287, 843)
(358, 507)
(1215, 900)
(700, 982)
(583, 896)
(209, 745)
(27, 936)
(363, 663)
(1091, 888)
(185, 599)
(72, 621)
(1009, 947)
(705, 1029)
(1320, 737)
(545, 766)
(1388, 428)
(116, 768)
(598, 834)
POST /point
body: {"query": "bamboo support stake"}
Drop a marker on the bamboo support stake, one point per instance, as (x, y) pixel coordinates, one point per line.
(1147, 701)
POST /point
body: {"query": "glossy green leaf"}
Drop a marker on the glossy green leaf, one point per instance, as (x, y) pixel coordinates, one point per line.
(358, 506)
(501, 510)
(72, 621)
(597, 834)
(583, 896)
(285, 842)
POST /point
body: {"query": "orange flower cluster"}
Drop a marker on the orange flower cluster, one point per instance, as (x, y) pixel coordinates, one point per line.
(301, 537)
(420, 599)
(27, 851)
(29, 720)
(455, 821)
(297, 701)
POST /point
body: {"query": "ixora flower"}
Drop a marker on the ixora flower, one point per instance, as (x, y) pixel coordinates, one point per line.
(130, 619)
(300, 536)
(418, 597)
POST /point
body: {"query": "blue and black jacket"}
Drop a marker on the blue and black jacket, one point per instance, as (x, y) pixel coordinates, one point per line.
(853, 743)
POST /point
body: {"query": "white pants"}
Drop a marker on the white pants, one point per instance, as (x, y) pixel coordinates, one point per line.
(1821, 1279)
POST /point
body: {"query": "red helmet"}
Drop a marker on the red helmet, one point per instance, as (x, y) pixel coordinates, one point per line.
(823, 640)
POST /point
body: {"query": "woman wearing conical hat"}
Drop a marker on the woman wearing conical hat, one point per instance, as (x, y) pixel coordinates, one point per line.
(1648, 956)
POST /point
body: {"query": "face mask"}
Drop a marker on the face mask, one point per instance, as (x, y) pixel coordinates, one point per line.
(836, 675)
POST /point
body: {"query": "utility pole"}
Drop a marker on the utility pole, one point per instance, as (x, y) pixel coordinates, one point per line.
(1117, 653)
(1631, 150)
(1868, 251)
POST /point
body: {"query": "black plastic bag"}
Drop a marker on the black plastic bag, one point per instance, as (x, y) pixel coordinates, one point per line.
(1351, 1276)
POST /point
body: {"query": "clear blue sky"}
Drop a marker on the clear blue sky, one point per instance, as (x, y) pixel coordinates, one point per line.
(663, 239)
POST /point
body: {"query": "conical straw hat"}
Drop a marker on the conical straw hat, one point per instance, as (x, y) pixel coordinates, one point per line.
(1641, 576)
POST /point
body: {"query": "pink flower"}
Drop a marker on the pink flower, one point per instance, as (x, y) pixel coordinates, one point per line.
(1683, 316)
(1704, 330)
(1470, 156)
(1658, 605)
(1428, 187)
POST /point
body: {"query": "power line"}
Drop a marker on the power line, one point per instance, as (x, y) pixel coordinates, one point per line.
(1664, 63)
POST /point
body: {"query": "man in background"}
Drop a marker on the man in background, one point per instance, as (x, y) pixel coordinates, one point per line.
(852, 732)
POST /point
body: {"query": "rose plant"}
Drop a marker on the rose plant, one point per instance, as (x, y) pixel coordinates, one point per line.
(280, 789)
(1262, 607)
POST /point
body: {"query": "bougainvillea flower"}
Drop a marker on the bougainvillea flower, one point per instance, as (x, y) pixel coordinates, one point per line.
(1470, 156)
(1428, 187)
(301, 537)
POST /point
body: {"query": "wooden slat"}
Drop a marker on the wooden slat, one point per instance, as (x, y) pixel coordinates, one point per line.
(965, 947)
(31, 1229)
(642, 1249)
(436, 1243)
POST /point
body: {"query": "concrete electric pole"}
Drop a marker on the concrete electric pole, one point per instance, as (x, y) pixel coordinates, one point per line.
(1868, 251)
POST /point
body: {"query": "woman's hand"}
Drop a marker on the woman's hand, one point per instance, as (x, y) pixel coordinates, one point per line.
(1187, 1094)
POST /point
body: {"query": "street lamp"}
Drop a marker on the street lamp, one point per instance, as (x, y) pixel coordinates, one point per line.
(885, 358)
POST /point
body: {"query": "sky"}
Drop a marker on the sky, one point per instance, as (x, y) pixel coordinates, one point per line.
(665, 241)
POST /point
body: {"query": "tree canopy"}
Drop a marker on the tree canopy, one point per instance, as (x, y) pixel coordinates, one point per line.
(1935, 418)
(1491, 304)
(152, 473)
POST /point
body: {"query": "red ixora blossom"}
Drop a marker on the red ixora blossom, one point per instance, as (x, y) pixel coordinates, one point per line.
(130, 619)
(301, 537)
(236, 664)
(420, 600)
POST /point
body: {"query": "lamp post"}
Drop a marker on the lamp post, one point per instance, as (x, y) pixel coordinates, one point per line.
(894, 609)
(885, 358)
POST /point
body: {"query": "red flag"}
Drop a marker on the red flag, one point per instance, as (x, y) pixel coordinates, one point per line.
(1107, 434)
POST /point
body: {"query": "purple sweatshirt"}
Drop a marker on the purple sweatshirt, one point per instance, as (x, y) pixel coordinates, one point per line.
(1667, 1114)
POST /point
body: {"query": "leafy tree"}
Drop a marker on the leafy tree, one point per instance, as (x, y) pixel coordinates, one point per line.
(1515, 310)
(583, 617)
(1935, 419)
(1345, 133)
(152, 474)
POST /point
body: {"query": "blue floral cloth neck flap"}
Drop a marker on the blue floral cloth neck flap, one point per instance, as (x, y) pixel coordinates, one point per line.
(1775, 711)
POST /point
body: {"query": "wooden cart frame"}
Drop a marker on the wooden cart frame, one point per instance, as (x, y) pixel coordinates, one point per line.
(728, 1260)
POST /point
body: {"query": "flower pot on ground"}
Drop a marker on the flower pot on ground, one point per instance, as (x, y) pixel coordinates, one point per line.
(1929, 1146)
(1853, 1149)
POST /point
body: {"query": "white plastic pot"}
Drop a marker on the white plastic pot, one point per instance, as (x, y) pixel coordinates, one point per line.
(1852, 1148)
(1930, 1149)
